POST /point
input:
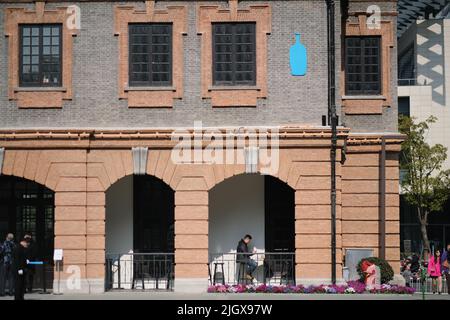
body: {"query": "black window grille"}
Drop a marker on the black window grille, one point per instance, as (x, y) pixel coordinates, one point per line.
(150, 49)
(363, 65)
(40, 59)
(234, 54)
(406, 64)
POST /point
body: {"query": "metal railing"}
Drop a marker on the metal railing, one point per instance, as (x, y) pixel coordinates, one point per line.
(417, 284)
(407, 82)
(272, 268)
(43, 276)
(145, 271)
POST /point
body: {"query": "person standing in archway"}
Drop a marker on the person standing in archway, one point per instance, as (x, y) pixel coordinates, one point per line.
(20, 269)
(243, 256)
(6, 265)
(31, 256)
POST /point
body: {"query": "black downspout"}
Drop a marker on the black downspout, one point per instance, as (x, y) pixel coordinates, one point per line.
(382, 209)
(333, 119)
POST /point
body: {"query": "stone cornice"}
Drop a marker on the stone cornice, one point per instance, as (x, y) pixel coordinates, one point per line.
(80, 134)
(289, 136)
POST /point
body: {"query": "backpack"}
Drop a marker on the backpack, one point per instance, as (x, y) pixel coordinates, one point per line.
(7, 252)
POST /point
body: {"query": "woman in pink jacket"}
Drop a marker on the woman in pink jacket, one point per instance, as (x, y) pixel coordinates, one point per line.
(434, 271)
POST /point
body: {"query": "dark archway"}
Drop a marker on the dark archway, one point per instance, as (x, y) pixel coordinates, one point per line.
(153, 215)
(279, 201)
(140, 217)
(264, 207)
(27, 206)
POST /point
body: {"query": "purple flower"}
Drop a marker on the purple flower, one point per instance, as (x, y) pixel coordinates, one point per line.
(358, 286)
(261, 288)
(355, 287)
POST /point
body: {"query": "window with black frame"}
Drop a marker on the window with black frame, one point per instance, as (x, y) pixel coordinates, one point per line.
(150, 55)
(363, 65)
(234, 54)
(40, 55)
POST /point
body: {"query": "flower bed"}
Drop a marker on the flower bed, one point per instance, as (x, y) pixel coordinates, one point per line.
(351, 287)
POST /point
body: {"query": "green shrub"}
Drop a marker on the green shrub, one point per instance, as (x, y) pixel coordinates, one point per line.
(387, 273)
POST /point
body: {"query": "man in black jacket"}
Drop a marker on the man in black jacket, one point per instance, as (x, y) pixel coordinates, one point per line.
(244, 255)
(20, 269)
(6, 265)
(31, 256)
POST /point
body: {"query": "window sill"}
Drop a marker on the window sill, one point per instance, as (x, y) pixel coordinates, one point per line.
(233, 88)
(364, 97)
(40, 89)
(150, 89)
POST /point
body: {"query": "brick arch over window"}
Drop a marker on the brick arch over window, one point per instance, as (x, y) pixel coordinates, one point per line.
(39, 97)
(234, 96)
(151, 97)
(357, 25)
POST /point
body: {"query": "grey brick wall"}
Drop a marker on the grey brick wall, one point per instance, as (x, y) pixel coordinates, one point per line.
(291, 100)
(388, 121)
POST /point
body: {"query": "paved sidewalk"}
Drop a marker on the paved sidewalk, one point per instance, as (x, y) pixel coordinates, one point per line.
(128, 295)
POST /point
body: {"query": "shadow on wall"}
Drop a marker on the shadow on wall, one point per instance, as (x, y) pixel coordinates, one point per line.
(430, 58)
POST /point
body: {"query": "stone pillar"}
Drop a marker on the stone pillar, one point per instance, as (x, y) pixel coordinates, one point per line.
(313, 224)
(79, 224)
(95, 240)
(191, 235)
(70, 217)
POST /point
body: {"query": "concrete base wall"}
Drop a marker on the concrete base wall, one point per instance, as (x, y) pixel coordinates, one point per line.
(192, 285)
(85, 286)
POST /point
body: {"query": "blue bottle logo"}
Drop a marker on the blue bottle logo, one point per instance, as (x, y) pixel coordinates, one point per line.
(298, 57)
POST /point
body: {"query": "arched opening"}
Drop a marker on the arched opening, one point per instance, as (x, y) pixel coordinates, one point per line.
(139, 234)
(264, 207)
(29, 207)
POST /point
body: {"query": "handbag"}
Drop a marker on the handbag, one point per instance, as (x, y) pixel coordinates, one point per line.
(445, 263)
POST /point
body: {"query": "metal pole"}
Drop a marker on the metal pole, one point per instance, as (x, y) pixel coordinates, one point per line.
(333, 120)
(382, 208)
(44, 278)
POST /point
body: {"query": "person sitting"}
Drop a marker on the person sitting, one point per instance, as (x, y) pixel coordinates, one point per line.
(243, 256)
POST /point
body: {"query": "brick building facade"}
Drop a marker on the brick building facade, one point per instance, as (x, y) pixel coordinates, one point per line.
(80, 138)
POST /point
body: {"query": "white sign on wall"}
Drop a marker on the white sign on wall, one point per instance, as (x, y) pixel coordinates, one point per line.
(58, 255)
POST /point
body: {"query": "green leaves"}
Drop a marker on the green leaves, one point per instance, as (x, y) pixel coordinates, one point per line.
(425, 184)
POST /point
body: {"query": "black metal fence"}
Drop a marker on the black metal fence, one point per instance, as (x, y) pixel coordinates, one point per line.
(42, 276)
(407, 82)
(272, 268)
(426, 285)
(145, 271)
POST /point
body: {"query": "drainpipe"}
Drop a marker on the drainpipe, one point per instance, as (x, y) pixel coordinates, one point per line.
(382, 201)
(382, 212)
(333, 120)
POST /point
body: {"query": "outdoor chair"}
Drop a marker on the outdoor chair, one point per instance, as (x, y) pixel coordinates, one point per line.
(220, 264)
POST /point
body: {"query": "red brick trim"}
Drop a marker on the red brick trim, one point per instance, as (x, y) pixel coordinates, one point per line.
(152, 97)
(370, 106)
(244, 97)
(50, 97)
